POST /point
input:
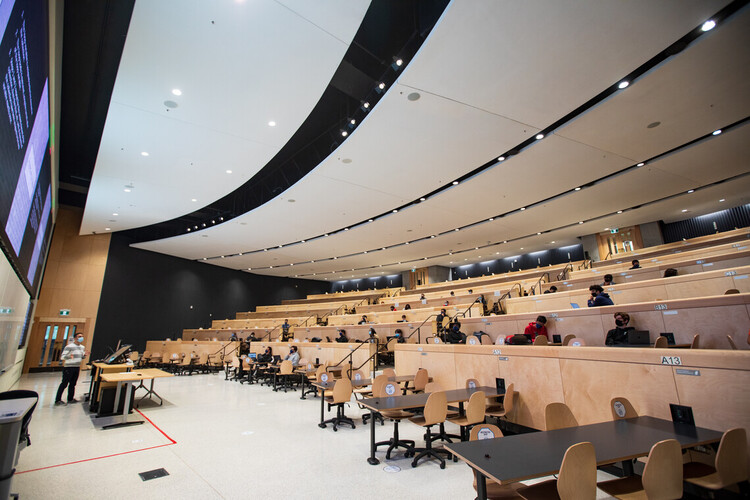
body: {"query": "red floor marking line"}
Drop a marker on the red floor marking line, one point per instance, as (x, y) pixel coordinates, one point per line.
(171, 442)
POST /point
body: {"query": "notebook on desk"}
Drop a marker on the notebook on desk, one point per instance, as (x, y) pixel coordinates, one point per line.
(574, 305)
(638, 337)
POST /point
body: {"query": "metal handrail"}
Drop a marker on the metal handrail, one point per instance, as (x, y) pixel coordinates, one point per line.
(418, 329)
(349, 355)
(563, 275)
(374, 365)
(539, 283)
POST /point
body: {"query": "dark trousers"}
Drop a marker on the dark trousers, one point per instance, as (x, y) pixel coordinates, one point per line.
(70, 377)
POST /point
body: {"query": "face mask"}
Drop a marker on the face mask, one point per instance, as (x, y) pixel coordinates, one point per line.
(593, 293)
(619, 322)
(538, 325)
(80, 340)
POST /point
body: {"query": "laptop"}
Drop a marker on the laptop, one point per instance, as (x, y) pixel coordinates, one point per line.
(639, 337)
(670, 337)
(681, 414)
(253, 356)
(557, 339)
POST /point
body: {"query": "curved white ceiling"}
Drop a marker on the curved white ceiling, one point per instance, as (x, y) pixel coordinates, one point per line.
(491, 75)
(239, 65)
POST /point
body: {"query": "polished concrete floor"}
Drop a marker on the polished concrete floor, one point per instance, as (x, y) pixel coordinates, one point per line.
(218, 439)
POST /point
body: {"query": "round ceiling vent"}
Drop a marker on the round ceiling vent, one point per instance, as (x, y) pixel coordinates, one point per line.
(170, 104)
(414, 96)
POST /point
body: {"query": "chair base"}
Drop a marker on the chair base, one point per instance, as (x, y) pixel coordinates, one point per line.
(378, 418)
(396, 442)
(429, 451)
(339, 419)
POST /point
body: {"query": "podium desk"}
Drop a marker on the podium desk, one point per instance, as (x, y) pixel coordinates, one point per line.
(129, 378)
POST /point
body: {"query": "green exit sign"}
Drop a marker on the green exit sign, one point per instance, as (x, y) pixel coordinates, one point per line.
(614, 231)
(64, 312)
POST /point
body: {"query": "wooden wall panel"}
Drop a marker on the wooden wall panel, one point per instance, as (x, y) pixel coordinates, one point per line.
(441, 367)
(713, 323)
(538, 382)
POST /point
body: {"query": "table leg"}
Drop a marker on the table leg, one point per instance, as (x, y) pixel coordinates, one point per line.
(125, 409)
(627, 468)
(117, 398)
(372, 460)
(322, 411)
(302, 385)
(481, 485)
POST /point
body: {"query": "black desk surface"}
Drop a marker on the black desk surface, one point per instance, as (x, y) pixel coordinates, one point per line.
(419, 400)
(363, 382)
(536, 454)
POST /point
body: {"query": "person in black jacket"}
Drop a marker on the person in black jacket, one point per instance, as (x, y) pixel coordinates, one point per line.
(599, 297)
(342, 337)
(454, 335)
(619, 335)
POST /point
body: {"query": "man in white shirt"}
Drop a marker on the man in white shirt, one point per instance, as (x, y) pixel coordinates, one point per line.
(293, 355)
(71, 358)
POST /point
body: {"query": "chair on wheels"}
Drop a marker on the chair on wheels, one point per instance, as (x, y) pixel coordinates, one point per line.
(661, 479)
(383, 388)
(420, 382)
(661, 342)
(342, 393)
(502, 410)
(495, 491)
(576, 480)
(730, 465)
(286, 372)
(435, 411)
(377, 388)
(474, 414)
(558, 416)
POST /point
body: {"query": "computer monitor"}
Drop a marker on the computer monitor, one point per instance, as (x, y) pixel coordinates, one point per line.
(115, 357)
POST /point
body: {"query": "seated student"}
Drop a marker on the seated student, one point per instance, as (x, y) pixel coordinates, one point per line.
(599, 297)
(252, 337)
(454, 335)
(232, 338)
(608, 280)
(363, 321)
(399, 336)
(636, 264)
(342, 337)
(619, 335)
(537, 328)
(439, 320)
(403, 319)
(668, 273)
(266, 357)
(393, 308)
(421, 297)
(495, 309)
(552, 289)
(407, 307)
(373, 337)
(293, 355)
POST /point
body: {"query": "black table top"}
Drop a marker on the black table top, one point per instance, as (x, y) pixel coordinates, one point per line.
(536, 454)
(363, 382)
(419, 400)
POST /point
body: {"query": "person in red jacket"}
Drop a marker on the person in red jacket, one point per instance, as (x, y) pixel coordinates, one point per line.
(537, 328)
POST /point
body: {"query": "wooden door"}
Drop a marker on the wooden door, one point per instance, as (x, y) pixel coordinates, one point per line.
(47, 340)
(626, 239)
(418, 277)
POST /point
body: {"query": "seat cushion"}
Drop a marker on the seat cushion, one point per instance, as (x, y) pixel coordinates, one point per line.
(630, 488)
(542, 491)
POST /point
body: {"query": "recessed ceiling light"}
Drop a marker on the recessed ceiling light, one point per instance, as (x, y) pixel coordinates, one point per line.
(353, 121)
(229, 171)
(640, 164)
(716, 132)
(523, 208)
(422, 199)
(381, 86)
(335, 258)
(326, 234)
(107, 229)
(619, 211)
(580, 222)
(346, 229)
(407, 243)
(303, 241)
(281, 246)
(115, 214)
(500, 158)
(176, 92)
(265, 249)
(272, 124)
(344, 133)
(455, 183)
(193, 199)
(383, 248)
(708, 25)
(432, 236)
(450, 253)
(457, 229)
(249, 268)
(222, 256)
(126, 190)
(491, 219)
(399, 62)
(395, 210)
(538, 234)
(365, 251)
(240, 254)
(684, 210)
(691, 191)
(366, 105)
(606, 229)
(623, 84)
(270, 267)
(291, 264)
(144, 153)
(539, 137)
(221, 218)
(551, 241)
(369, 220)
(578, 188)
(722, 200)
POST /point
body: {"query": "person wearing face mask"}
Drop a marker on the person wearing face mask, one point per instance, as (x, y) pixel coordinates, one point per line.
(454, 335)
(71, 358)
(536, 328)
(599, 297)
(619, 335)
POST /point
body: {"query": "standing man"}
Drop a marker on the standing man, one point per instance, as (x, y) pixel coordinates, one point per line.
(71, 357)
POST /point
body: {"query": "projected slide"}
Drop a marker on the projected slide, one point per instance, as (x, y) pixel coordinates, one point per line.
(25, 193)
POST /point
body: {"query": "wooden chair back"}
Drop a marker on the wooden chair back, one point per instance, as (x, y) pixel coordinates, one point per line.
(731, 343)
(286, 367)
(321, 374)
(510, 394)
(577, 478)
(357, 375)
(436, 408)
(475, 408)
(621, 408)
(342, 390)
(434, 340)
(485, 431)
(662, 476)
(156, 356)
(661, 342)
(378, 386)
(731, 457)
(567, 339)
(696, 343)
(558, 416)
(389, 372)
(472, 383)
(303, 362)
(541, 340)
(420, 379)
(390, 389)
(203, 358)
(146, 355)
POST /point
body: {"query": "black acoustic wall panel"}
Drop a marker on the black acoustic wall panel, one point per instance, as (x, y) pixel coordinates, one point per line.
(149, 296)
(527, 261)
(717, 222)
(379, 283)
